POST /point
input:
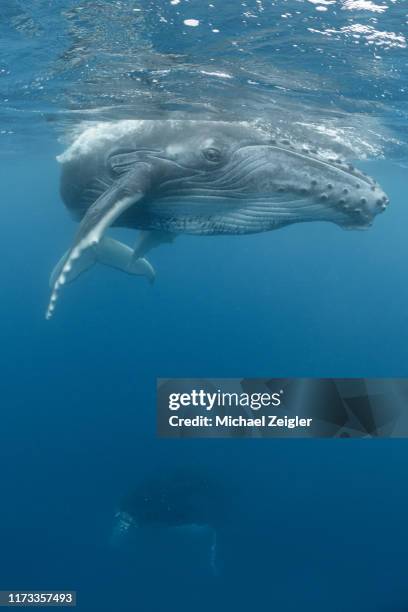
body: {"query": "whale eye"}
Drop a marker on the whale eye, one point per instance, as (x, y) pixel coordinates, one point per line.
(211, 154)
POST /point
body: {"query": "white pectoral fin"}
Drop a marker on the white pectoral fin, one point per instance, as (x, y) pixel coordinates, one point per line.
(103, 212)
(115, 254)
(84, 263)
(108, 252)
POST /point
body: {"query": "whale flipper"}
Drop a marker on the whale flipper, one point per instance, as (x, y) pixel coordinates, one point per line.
(86, 262)
(108, 252)
(115, 254)
(150, 239)
(120, 196)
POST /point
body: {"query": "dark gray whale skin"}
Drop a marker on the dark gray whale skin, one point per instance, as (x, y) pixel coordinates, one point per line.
(203, 177)
(177, 509)
(184, 497)
(169, 177)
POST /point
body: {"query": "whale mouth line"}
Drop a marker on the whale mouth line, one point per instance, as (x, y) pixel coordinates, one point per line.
(176, 163)
(231, 200)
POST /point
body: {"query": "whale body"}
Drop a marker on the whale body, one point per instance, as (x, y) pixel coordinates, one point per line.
(168, 177)
(180, 509)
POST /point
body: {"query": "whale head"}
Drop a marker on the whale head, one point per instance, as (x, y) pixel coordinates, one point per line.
(236, 179)
(214, 177)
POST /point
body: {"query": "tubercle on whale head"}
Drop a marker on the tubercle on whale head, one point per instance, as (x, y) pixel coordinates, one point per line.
(325, 188)
(309, 185)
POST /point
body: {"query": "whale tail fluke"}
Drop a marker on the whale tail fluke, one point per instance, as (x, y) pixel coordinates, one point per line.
(108, 252)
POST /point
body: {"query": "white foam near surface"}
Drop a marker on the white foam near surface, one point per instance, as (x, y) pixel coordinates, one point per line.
(87, 136)
(363, 5)
(98, 134)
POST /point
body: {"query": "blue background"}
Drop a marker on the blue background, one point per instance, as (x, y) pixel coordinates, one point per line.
(314, 525)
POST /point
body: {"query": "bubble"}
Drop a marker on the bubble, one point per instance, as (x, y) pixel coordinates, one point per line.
(193, 23)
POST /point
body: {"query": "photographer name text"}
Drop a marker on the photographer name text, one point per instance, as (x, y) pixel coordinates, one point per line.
(240, 421)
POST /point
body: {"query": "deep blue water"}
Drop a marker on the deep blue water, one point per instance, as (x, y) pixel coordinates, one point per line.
(313, 525)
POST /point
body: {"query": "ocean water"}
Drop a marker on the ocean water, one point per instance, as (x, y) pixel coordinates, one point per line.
(308, 525)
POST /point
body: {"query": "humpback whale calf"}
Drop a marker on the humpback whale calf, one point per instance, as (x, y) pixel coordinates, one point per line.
(168, 177)
(165, 511)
